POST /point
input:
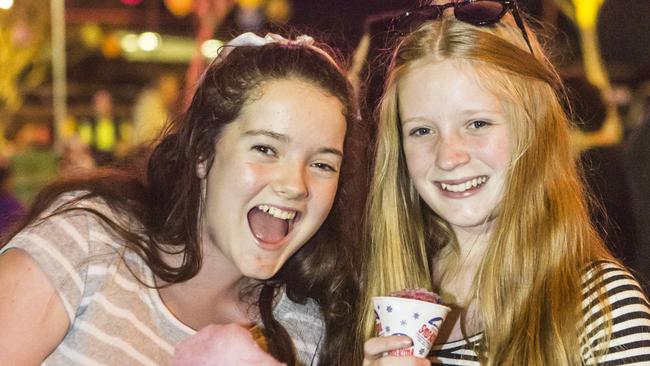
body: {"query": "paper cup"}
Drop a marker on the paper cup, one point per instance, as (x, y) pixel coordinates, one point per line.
(419, 320)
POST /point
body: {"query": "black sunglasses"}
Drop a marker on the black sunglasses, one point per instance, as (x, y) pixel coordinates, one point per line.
(475, 12)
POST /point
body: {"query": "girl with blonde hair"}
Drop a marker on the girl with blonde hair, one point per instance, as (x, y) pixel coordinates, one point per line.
(476, 196)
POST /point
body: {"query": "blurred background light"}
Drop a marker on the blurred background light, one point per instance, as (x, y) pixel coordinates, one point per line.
(278, 11)
(129, 43)
(179, 8)
(111, 46)
(6, 4)
(251, 4)
(91, 35)
(170, 50)
(131, 2)
(149, 41)
(210, 48)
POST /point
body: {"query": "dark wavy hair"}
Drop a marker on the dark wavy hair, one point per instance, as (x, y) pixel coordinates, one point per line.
(167, 202)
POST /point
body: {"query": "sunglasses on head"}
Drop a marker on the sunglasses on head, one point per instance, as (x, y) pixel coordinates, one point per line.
(475, 12)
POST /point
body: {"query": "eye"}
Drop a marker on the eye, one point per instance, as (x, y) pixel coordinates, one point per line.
(419, 131)
(326, 167)
(265, 150)
(479, 124)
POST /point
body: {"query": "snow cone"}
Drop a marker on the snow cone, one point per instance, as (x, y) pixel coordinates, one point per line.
(416, 313)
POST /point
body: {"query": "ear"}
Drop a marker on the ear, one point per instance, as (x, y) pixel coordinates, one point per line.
(202, 169)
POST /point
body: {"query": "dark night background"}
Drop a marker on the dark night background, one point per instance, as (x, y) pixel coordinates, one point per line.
(624, 34)
(624, 29)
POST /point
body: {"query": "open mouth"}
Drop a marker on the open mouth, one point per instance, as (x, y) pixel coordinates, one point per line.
(271, 224)
(464, 186)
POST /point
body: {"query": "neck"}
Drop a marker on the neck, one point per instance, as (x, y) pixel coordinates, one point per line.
(473, 241)
(455, 271)
(213, 295)
(454, 275)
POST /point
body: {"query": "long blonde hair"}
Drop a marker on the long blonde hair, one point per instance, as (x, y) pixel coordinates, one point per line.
(528, 287)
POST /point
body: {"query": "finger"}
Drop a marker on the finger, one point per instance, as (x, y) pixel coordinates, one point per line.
(375, 347)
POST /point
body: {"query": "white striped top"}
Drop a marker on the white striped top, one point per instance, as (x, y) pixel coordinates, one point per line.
(630, 338)
(114, 319)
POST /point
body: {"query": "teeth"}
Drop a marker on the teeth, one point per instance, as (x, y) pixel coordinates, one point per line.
(462, 187)
(276, 212)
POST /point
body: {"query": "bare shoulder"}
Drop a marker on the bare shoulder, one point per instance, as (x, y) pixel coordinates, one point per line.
(33, 318)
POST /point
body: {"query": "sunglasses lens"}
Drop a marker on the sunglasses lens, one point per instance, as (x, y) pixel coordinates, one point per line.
(412, 20)
(480, 12)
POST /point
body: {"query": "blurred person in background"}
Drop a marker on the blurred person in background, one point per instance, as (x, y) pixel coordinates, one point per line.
(604, 170)
(103, 132)
(153, 106)
(637, 160)
(34, 162)
(75, 157)
(11, 210)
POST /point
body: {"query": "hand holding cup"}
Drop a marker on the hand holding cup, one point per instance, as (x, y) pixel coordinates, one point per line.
(413, 313)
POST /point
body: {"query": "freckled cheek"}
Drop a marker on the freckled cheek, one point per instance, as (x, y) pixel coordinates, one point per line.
(253, 176)
(417, 160)
(321, 186)
(331, 191)
(498, 153)
(323, 195)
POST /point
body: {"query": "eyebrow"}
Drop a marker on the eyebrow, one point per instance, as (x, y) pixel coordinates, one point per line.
(466, 112)
(482, 110)
(286, 139)
(416, 119)
(271, 134)
(329, 150)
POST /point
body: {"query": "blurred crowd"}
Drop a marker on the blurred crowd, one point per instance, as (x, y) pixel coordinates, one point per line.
(31, 158)
(613, 151)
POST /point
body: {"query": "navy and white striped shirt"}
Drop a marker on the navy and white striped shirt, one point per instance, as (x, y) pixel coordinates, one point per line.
(630, 334)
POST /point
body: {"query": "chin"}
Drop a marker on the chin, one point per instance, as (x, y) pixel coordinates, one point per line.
(261, 273)
(469, 223)
(260, 277)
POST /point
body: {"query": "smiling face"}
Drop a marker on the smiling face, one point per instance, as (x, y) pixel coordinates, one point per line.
(274, 176)
(456, 142)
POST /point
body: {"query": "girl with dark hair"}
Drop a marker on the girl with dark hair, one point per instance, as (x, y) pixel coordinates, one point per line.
(238, 222)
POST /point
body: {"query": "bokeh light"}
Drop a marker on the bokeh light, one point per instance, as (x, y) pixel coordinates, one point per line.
(250, 4)
(129, 43)
(131, 2)
(149, 41)
(211, 48)
(179, 8)
(91, 35)
(6, 4)
(111, 46)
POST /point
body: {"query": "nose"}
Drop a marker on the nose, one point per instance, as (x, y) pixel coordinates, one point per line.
(291, 183)
(452, 153)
